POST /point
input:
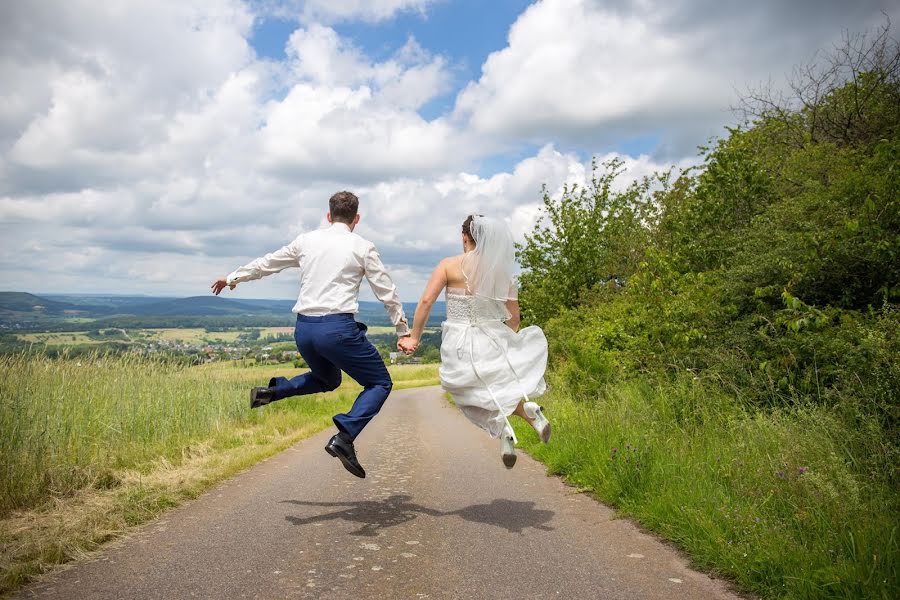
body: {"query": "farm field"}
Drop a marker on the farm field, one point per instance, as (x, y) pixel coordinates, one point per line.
(185, 335)
(190, 336)
(267, 331)
(193, 335)
(58, 339)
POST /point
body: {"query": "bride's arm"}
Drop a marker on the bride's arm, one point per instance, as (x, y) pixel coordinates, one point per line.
(515, 318)
(433, 289)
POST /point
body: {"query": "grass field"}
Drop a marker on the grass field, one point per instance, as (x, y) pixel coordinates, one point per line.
(58, 339)
(266, 331)
(186, 335)
(193, 336)
(381, 329)
(789, 503)
(93, 446)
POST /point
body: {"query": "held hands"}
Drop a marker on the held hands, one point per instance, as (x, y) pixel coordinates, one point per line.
(407, 344)
(220, 284)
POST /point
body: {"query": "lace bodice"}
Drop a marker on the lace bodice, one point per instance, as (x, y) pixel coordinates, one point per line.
(464, 308)
(459, 306)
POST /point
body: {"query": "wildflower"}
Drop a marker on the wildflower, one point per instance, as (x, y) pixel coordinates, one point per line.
(802, 470)
(779, 474)
(614, 451)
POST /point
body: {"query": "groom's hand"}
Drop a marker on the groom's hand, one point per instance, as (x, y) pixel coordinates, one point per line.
(407, 344)
(220, 284)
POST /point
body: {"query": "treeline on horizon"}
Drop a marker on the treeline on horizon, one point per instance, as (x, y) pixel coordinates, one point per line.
(744, 312)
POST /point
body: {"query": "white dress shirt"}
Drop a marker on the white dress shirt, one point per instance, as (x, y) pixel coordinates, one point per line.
(332, 264)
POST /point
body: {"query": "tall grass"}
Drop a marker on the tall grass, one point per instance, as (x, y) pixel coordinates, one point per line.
(68, 424)
(784, 502)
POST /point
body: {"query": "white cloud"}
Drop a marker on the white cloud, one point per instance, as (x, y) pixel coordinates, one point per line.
(124, 239)
(420, 219)
(346, 134)
(619, 74)
(585, 71)
(350, 118)
(407, 80)
(93, 88)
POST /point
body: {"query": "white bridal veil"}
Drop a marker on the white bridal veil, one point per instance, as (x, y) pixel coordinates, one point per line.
(489, 268)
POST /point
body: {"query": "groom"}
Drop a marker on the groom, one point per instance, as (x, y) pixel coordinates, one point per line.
(332, 263)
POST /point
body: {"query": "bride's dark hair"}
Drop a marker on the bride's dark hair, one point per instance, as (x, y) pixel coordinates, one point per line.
(467, 227)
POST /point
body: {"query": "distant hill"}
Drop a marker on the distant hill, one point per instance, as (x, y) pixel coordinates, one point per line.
(212, 306)
(105, 305)
(23, 302)
(148, 311)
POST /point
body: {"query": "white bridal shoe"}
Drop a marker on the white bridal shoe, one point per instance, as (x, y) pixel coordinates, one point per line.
(507, 448)
(539, 422)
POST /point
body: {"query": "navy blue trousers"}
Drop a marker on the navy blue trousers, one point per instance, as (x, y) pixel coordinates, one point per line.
(332, 344)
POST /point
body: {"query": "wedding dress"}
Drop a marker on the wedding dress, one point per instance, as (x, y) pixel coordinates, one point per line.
(486, 366)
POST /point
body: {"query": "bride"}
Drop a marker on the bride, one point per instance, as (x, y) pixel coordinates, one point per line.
(491, 369)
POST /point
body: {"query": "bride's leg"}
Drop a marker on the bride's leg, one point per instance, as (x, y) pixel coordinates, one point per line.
(520, 412)
(539, 422)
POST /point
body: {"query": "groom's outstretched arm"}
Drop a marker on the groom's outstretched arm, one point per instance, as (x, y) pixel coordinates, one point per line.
(384, 289)
(283, 258)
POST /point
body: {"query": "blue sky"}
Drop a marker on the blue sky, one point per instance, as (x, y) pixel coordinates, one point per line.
(465, 30)
(151, 150)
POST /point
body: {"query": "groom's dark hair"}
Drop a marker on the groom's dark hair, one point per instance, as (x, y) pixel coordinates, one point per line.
(343, 207)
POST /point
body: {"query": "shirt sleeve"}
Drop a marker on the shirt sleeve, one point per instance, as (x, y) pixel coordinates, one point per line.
(384, 289)
(286, 257)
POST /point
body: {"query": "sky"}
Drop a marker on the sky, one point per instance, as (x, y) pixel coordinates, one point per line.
(150, 146)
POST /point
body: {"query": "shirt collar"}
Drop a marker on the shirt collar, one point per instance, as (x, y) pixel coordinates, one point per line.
(343, 226)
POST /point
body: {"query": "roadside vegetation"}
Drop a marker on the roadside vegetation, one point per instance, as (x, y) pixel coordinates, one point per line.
(725, 340)
(96, 444)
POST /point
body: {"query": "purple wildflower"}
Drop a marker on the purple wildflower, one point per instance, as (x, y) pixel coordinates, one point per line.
(802, 470)
(779, 474)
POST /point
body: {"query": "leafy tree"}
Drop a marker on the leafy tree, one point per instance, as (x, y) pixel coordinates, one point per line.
(588, 236)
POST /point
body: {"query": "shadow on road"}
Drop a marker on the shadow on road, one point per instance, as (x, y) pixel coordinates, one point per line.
(373, 515)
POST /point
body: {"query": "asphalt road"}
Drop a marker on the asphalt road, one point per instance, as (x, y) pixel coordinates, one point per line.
(438, 517)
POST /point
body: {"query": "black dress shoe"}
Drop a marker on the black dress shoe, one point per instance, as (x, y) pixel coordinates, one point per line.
(260, 396)
(343, 449)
